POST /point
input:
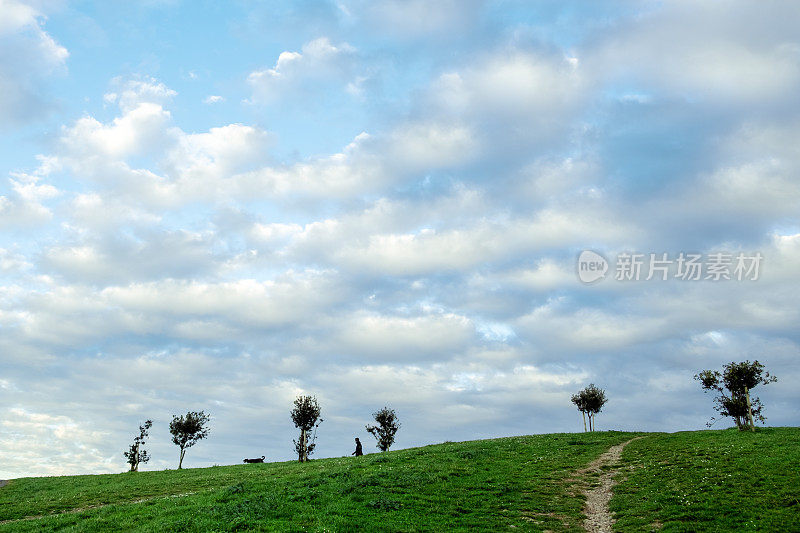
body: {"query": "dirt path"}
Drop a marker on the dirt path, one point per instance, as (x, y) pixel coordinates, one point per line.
(598, 517)
(3, 483)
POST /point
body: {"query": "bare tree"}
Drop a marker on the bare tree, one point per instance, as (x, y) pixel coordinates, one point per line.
(136, 454)
(590, 401)
(305, 416)
(187, 430)
(384, 432)
(738, 379)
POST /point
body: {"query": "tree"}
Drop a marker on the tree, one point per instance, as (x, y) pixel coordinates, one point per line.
(590, 401)
(305, 416)
(136, 454)
(187, 430)
(738, 379)
(384, 432)
(577, 399)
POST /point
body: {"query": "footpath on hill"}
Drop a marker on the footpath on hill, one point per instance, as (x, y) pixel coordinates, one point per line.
(598, 495)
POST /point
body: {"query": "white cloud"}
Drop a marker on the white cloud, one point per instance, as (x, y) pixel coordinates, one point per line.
(203, 163)
(319, 61)
(426, 146)
(140, 129)
(511, 98)
(28, 56)
(418, 19)
(129, 93)
(51, 445)
(485, 242)
(548, 274)
(427, 265)
(723, 54)
(356, 170)
(11, 262)
(588, 329)
(26, 204)
(402, 338)
(213, 99)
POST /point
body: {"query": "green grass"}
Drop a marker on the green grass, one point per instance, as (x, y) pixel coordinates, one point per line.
(711, 481)
(690, 481)
(501, 484)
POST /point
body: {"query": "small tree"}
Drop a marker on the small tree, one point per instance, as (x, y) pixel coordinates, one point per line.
(136, 454)
(187, 430)
(737, 379)
(305, 416)
(384, 432)
(590, 401)
(577, 399)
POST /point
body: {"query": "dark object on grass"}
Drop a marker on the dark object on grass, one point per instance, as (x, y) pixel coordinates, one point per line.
(261, 460)
(359, 452)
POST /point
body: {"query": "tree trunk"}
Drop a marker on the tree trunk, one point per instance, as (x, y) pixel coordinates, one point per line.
(132, 459)
(180, 462)
(590, 422)
(303, 457)
(584, 420)
(749, 409)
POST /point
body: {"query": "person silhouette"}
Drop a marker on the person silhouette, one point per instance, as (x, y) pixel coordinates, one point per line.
(359, 452)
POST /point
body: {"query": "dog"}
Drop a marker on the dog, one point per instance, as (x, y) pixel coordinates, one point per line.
(254, 460)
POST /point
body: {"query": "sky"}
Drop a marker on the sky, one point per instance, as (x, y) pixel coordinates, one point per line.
(220, 206)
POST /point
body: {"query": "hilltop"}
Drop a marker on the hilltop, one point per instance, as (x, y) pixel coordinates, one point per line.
(690, 481)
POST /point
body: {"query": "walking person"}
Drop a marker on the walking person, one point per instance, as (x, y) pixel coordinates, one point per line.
(359, 452)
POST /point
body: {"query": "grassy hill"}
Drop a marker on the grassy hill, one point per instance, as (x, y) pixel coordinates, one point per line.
(711, 481)
(679, 482)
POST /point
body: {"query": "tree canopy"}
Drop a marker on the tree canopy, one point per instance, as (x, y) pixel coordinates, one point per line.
(187, 430)
(589, 402)
(306, 416)
(136, 454)
(733, 386)
(387, 427)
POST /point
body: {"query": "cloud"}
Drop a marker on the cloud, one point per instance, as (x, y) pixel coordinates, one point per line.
(157, 263)
(25, 206)
(424, 146)
(11, 262)
(512, 97)
(318, 62)
(140, 129)
(55, 444)
(400, 338)
(28, 56)
(736, 55)
(129, 93)
(417, 19)
(149, 254)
